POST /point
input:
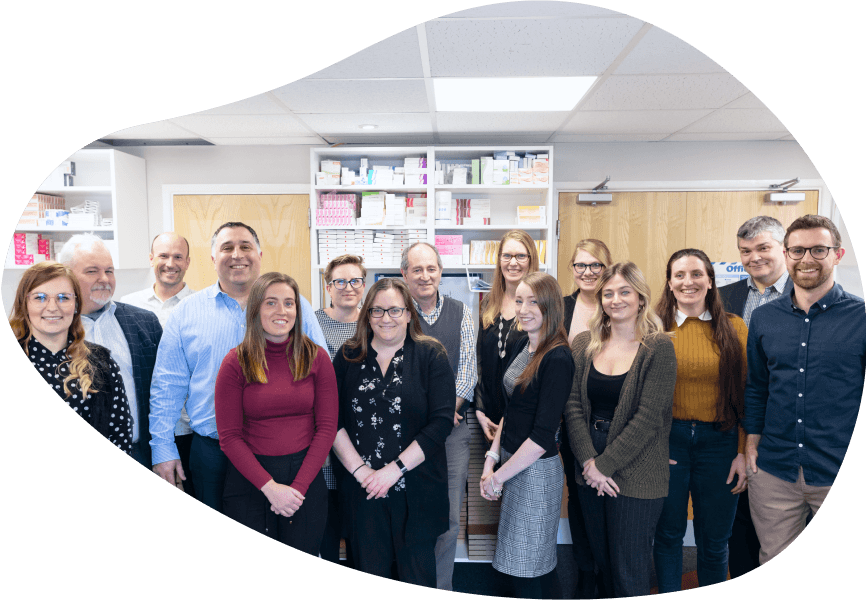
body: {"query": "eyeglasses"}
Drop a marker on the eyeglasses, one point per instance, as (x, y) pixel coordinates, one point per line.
(595, 267)
(395, 312)
(521, 258)
(42, 298)
(340, 284)
(817, 252)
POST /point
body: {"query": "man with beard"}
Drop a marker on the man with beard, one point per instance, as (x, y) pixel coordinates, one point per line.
(169, 257)
(806, 358)
(130, 333)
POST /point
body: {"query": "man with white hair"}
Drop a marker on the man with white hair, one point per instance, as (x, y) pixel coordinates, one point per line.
(130, 333)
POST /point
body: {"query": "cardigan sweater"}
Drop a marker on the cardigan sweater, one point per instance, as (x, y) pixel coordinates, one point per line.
(697, 388)
(636, 456)
(426, 417)
(277, 418)
(489, 398)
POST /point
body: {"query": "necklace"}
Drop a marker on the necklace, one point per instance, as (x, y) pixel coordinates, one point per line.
(502, 343)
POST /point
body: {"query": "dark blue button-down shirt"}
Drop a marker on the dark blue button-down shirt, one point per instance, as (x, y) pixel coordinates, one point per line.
(805, 383)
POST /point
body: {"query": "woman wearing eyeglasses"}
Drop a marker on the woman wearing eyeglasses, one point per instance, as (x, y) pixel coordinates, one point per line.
(46, 321)
(499, 331)
(345, 284)
(588, 262)
(397, 393)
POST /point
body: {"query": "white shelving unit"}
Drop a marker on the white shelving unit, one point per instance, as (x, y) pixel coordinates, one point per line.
(505, 200)
(118, 182)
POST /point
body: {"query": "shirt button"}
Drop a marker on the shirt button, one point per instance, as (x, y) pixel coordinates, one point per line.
(803, 344)
(801, 445)
(800, 395)
(807, 320)
(799, 420)
(801, 370)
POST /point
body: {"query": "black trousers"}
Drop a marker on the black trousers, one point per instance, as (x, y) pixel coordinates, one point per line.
(743, 545)
(184, 445)
(330, 549)
(208, 464)
(621, 532)
(247, 505)
(379, 537)
(580, 547)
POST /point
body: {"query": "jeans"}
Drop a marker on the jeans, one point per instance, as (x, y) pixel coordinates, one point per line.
(703, 457)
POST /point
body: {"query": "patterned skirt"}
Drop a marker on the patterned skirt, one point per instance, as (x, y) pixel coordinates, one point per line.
(529, 519)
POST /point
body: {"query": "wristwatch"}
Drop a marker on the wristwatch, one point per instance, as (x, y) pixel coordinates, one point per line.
(400, 466)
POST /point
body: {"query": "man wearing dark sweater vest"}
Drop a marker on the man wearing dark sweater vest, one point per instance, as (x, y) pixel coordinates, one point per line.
(759, 241)
(450, 322)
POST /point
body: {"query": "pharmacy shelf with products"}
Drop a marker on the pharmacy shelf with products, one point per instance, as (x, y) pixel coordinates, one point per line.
(99, 191)
(374, 201)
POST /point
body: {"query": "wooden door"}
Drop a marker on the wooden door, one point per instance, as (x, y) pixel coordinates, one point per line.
(280, 221)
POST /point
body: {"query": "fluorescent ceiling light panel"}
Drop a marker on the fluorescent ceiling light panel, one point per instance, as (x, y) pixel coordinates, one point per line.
(509, 94)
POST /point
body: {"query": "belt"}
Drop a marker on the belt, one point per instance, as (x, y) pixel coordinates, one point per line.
(602, 425)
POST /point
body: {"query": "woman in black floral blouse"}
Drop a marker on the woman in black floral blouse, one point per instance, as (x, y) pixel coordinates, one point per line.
(396, 409)
(46, 321)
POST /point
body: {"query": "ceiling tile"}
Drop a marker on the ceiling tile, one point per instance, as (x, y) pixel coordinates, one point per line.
(738, 120)
(256, 105)
(160, 130)
(266, 141)
(661, 92)
(523, 122)
(397, 56)
(373, 96)
(722, 137)
(414, 139)
(534, 9)
(515, 47)
(632, 121)
(242, 125)
(660, 52)
(562, 138)
(349, 124)
(746, 101)
(493, 139)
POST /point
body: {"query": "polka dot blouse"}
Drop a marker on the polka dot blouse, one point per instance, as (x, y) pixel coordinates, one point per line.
(105, 407)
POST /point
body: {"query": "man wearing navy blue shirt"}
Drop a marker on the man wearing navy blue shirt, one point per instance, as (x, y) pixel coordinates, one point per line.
(807, 358)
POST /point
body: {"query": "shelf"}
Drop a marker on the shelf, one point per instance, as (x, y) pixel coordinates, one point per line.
(422, 189)
(37, 229)
(470, 188)
(490, 227)
(81, 190)
(368, 227)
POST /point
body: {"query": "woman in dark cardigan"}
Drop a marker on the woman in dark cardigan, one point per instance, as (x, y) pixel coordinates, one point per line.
(397, 393)
(619, 418)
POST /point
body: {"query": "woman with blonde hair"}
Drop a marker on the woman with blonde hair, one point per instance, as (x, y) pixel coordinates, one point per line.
(536, 384)
(618, 418)
(276, 415)
(499, 331)
(397, 393)
(46, 321)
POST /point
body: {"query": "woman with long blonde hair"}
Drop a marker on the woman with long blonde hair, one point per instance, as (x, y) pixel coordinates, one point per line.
(618, 418)
(46, 321)
(499, 330)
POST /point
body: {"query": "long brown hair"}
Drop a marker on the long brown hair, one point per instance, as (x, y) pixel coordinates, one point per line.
(77, 352)
(251, 351)
(732, 372)
(492, 305)
(361, 339)
(548, 297)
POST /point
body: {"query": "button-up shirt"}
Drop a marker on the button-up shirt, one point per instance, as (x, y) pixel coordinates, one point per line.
(101, 327)
(467, 370)
(198, 335)
(805, 382)
(756, 298)
(681, 317)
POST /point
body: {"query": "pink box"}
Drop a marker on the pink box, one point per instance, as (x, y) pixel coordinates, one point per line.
(450, 250)
(449, 240)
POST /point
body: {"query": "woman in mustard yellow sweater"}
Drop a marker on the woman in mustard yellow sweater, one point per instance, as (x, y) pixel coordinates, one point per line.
(706, 444)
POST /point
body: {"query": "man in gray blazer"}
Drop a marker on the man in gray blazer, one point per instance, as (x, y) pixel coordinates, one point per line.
(760, 242)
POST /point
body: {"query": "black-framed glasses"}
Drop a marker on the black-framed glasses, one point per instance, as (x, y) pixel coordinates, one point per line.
(520, 258)
(340, 284)
(595, 267)
(395, 312)
(42, 298)
(817, 252)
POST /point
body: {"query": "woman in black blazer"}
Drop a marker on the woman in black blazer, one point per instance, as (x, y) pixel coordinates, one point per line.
(397, 393)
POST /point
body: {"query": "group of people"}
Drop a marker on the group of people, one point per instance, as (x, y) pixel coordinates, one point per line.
(349, 422)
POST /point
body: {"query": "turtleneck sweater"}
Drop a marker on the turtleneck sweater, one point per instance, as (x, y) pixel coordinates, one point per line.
(277, 418)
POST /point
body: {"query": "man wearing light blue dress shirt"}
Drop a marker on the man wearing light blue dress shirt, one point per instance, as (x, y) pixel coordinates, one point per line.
(198, 335)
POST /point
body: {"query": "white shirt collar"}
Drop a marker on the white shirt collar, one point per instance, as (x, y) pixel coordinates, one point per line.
(681, 318)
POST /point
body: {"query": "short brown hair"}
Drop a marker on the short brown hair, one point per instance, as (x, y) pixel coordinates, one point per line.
(814, 222)
(345, 259)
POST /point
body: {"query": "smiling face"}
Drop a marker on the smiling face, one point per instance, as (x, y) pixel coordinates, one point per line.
(236, 258)
(586, 281)
(620, 301)
(278, 312)
(690, 283)
(50, 321)
(423, 275)
(387, 329)
(169, 258)
(94, 269)
(513, 271)
(528, 311)
(763, 258)
(809, 273)
(350, 297)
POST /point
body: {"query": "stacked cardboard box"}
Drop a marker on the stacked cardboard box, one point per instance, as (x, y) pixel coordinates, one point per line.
(336, 209)
(30, 248)
(37, 206)
(450, 248)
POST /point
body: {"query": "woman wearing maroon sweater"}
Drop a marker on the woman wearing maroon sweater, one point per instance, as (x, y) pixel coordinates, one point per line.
(276, 414)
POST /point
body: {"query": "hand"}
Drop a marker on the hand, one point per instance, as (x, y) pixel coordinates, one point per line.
(171, 471)
(738, 467)
(752, 441)
(598, 480)
(379, 482)
(457, 419)
(490, 485)
(285, 500)
(488, 427)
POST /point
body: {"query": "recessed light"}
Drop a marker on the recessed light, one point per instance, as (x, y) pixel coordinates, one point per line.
(509, 94)
(368, 126)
